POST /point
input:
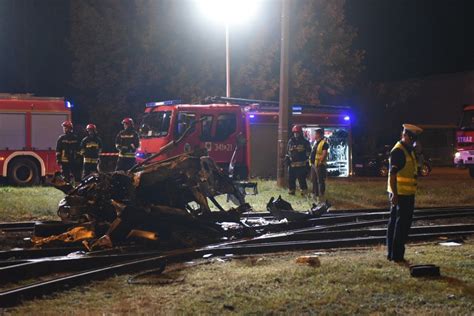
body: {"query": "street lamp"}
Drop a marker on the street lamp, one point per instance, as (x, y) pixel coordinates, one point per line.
(228, 12)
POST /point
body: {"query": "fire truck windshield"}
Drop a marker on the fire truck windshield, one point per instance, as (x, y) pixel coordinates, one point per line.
(467, 122)
(155, 124)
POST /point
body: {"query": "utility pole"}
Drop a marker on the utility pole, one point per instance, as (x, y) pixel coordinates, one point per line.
(283, 114)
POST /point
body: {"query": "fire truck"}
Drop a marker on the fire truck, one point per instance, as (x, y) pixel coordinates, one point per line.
(464, 156)
(242, 132)
(29, 128)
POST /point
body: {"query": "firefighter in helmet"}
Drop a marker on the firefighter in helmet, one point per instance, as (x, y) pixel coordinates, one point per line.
(91, 147)
(298, 153)
(67, 153)
(126, 142)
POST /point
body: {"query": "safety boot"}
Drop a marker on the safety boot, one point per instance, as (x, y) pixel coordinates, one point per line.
(291, 192)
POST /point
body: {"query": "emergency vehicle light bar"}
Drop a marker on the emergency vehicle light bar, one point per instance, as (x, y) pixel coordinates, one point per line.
(68, 104)
(168, 102)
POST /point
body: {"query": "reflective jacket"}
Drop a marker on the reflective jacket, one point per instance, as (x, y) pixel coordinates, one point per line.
(406, 177)
(317, 153)
(299, 150)
(67, 148)
(127, 142)
(90, 148)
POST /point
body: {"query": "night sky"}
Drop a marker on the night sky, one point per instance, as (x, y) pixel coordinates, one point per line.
(402, 39)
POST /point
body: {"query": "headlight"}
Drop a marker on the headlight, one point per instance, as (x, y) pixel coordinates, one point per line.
(457, 155)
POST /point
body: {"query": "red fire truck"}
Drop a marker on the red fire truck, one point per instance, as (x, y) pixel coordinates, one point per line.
(29, 128)
(464, 156)
(223, 123)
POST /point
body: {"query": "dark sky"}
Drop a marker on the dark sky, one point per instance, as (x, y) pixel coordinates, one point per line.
(412, 38)
(402, 39)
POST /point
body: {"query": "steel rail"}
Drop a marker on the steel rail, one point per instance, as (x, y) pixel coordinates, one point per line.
(41, 267)
(37, 253)
(14, 296)
(336, 234)
(369, 210)
(319, 244)
(356, 221)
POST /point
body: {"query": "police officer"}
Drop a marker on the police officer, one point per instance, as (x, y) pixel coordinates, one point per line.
(318, 162)
(126, 142)
(402, 180)
(67, 153)
(299, 150)
(91, 147)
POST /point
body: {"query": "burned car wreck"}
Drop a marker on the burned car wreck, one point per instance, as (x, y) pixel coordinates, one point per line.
(166, 200)
(165, 203)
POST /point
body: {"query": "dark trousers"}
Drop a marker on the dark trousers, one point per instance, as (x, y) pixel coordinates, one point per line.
(318, 178)
(88, 168)
(398, 226)
(71, 172)
(299, 173)
(124, 163)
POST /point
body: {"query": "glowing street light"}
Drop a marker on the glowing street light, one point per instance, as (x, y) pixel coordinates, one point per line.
(228, 12)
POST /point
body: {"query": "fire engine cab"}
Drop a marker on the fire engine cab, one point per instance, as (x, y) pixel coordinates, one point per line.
(29, 128)
(464, 156)
(241, 131)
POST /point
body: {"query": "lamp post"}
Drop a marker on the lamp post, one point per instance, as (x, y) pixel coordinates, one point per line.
(228, 12)
(227, 61)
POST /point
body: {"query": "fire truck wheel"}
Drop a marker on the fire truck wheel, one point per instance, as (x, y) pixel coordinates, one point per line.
(471, 172)
(23, 172)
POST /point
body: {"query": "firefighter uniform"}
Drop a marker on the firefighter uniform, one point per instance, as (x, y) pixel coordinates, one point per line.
(126, 142)
(67, 156)
(318, 163)
(404, 167)
(91, 147)
(299, 150)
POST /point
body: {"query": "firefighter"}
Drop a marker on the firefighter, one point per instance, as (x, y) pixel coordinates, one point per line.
(91, 147)
(318, 162)
(126, 142)
(401, 187)
(298, 153)
(67, 153)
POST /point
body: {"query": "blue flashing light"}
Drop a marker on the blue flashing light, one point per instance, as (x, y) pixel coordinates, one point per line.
(140, 155)
(347, 118)
(252, 116)
(169, 102)
(69, 105)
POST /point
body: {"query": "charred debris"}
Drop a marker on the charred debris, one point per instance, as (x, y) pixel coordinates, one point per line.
(164, 204)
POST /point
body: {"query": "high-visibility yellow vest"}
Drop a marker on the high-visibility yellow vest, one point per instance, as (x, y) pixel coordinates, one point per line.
(406, 177)
(319, 154)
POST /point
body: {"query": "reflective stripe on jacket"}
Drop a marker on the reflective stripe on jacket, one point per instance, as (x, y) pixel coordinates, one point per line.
(406, 177)
(91, 160)
(127, 142)
(319, 154)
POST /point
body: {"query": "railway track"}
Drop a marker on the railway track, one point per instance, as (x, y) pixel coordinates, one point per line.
(344, 229)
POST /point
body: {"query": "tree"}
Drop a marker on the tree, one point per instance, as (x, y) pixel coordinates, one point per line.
(322, 60)
(129, 52)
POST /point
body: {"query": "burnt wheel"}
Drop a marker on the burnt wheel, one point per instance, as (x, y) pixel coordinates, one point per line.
(23, 172)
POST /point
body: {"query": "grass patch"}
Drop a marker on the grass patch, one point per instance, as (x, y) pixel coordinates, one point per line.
(343, 193)
(34, 203)
(348, 282)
